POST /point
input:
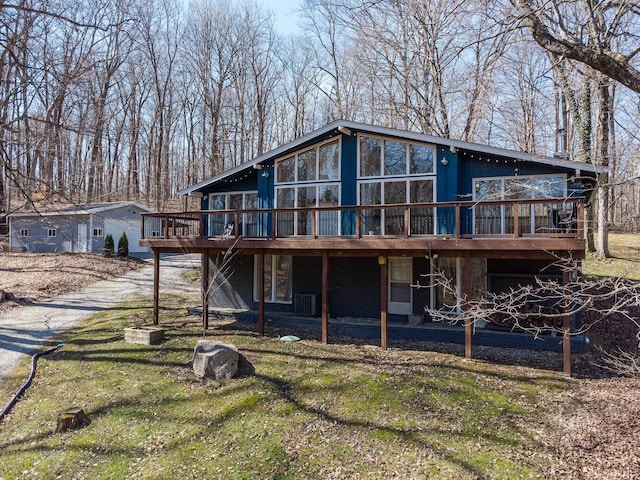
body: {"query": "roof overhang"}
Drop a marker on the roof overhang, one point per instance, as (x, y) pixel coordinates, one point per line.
(345, 127)
(81, 210)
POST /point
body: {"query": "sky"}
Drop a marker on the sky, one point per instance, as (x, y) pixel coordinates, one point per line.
(285, 18)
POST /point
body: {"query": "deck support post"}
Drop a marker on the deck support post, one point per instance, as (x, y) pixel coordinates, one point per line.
(261, 292)
(465, 296)
(205, 290)
(156, 287)
(566, 334)
(384, 299)
(325, 296)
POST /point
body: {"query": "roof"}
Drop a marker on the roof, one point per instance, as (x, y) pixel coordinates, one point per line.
(355, 127)
(86, 209)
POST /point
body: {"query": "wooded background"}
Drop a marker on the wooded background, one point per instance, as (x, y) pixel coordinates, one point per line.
(112, 100)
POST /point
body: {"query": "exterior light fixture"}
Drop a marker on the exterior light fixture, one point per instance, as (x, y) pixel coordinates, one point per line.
(444, 162)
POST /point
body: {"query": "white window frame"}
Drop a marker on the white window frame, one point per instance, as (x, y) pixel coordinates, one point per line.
(228, 217)
(407, 143)
(317, 185)
(503, 179)
(51, 233)
(274, 278)
(295, 161)
(407, 181)
(98, 232)
(24, 232)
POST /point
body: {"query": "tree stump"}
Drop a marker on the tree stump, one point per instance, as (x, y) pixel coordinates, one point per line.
(72, 418)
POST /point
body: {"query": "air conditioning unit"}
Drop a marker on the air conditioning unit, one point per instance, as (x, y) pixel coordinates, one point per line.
(306, 304)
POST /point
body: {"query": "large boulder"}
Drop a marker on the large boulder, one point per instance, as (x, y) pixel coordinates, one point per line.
(215, 360)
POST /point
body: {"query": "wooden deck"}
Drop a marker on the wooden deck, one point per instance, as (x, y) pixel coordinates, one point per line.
(510, 229)
(504, 229)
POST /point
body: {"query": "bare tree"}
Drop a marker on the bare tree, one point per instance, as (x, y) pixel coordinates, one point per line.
(541, 306)
(602, 35)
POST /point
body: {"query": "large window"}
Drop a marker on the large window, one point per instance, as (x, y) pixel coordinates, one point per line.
(224, 223)
(381, 157)
(319, 163)
(309, 179)
(277, 278)
(308, 195)
(532, 218)
(391, 221)
(395, 172)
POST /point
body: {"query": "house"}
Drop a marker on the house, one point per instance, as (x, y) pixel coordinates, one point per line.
(346, 221)
(81, 228)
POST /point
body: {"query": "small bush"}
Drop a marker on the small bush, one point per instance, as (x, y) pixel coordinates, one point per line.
(108, 249)
(123, 245)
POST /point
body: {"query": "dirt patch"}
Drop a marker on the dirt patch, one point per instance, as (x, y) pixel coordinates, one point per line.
(25, 277)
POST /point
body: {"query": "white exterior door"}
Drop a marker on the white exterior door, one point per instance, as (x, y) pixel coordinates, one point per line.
(82, 237)
(400, 292)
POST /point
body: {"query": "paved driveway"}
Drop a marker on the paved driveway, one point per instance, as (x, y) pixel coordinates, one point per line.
(24, 330)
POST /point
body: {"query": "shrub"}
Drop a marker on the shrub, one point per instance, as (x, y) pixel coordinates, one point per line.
(108, 249)
(123, 245)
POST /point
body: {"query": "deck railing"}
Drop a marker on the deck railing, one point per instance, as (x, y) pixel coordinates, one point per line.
(551, 217)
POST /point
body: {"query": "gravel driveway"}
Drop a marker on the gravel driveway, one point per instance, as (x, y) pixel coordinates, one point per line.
(24, 330)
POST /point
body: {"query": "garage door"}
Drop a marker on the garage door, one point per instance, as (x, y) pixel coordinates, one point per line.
(131, 227)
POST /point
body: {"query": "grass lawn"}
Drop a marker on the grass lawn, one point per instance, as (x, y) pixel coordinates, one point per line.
(298, 410)
(624, 261)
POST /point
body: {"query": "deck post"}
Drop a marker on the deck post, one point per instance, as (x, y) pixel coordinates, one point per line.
(325, 296)
(384, 299)
(465, 295)
(261, 292)
(566, 334)
(156, 286)
(205, 290)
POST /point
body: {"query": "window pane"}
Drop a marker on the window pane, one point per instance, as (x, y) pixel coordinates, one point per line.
(250, 220)
(488, 190)
(329, 159)
(268, 277)
(217, 202)
(370, 156)
(395, 158)
(235, 201)
(250, 201)
(285, 198)
(283, 278)
(328, 221)
(395, 192)
(370, 194)
(328, 195)
(517, 188)
(306, 197)
(420, 159)
(548, 187)
(307, 166)
(421, 191)
(286, 170)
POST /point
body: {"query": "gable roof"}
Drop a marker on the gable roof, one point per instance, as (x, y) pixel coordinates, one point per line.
(356, 127)
(86, 209)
